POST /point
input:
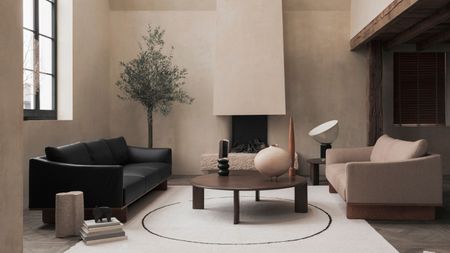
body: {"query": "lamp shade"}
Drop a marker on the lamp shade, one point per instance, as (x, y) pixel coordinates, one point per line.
(326, 132)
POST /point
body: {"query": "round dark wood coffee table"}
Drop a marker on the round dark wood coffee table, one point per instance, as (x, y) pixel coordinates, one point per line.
(248, 181)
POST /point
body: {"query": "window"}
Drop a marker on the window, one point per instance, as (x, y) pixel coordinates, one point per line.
(419, 88)
(39, 59)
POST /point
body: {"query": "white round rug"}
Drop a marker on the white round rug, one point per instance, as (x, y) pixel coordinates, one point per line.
(269, 221)
(271, 225)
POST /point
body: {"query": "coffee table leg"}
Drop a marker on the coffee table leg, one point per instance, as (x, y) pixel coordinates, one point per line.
(257, 195)
(198, 198)
(236, 206)
(301, 198)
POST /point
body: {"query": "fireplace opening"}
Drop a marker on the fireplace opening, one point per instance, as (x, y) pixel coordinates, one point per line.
(249, 133)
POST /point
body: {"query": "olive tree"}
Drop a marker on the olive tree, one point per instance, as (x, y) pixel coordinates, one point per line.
(152, 79)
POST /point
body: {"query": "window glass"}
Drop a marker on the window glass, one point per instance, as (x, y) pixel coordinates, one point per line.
(45, 18)
(46, 92)
(28, 16)
(28, 92)
(28, 52)
(45, 55)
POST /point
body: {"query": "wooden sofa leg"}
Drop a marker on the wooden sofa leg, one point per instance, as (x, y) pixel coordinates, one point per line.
(121, 214)
(162, 186)
(331, 189)
(48, 216)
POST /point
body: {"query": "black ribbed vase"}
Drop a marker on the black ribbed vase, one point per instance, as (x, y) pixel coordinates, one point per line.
(223, 166)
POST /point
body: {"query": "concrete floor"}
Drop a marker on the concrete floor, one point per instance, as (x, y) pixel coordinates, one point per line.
(406, 237)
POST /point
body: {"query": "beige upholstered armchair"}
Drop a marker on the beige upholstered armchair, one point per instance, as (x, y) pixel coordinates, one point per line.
(395, 180)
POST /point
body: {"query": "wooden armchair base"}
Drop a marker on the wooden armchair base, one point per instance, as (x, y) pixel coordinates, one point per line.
(388, 212)
(385, 212)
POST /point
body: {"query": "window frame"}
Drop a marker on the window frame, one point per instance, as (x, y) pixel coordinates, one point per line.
(37, 113)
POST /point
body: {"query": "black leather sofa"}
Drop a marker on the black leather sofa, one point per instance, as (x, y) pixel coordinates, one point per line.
(108, 172)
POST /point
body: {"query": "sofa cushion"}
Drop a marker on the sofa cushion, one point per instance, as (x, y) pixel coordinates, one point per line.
(133, 188)
(119, 149)
(154, 173)
(75, 153)
(388, 149)
(336, 176)
(100, 152)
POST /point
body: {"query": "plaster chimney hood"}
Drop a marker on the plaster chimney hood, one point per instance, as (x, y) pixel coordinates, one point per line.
(249, 78)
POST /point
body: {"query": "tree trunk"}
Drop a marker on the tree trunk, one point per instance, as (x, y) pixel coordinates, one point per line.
(150, 128)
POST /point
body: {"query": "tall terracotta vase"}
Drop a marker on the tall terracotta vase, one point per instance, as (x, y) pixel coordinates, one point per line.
(291, 147)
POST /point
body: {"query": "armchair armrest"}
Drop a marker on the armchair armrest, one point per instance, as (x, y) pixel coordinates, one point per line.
(410, 182)
(344, 155)
(143, 155)
(102, 185)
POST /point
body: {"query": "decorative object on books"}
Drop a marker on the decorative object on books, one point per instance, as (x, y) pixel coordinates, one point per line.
(325, 134)
(152, 79)
(102, 212)
(223, 167)
(69, 213)
(93, 232)
(272, 161)
(291, 147)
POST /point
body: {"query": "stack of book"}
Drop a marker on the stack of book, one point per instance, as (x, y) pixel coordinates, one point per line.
(92, 232)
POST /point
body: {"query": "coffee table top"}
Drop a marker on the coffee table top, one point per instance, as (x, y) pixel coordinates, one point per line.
(245, 181)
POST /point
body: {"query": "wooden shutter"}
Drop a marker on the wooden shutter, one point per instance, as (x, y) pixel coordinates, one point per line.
(419, 88)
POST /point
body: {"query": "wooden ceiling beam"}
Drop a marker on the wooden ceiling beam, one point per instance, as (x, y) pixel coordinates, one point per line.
(422, 26)
(433, 40)
(376, 26)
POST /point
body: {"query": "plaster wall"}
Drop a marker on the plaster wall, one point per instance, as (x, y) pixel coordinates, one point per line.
(11, 125)
(249, 65)
(324, 80)
(364, 11)
(91, 87)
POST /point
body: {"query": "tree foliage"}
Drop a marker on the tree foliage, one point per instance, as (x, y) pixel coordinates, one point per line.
(151, 78)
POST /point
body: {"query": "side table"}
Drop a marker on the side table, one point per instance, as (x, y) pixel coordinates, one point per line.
(69, 213)
(314, 165)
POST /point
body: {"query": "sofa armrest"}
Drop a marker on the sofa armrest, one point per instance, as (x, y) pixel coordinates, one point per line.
(102, 185)
(143, 155)
(344, 155)
(409, 182)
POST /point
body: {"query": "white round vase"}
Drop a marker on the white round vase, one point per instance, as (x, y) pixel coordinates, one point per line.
(272, 161)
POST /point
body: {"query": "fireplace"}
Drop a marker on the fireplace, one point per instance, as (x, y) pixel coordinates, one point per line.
(249, 133)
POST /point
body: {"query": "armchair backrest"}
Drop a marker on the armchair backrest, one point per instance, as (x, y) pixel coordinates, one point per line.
(388, 149)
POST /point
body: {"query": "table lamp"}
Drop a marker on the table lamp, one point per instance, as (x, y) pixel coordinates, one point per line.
(325, 134)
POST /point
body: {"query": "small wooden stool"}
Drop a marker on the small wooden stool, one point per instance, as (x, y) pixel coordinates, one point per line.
(69, 213)
(314, 173)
